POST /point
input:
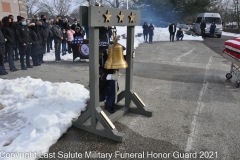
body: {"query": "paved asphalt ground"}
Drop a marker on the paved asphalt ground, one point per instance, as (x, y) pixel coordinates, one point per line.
(195, 109)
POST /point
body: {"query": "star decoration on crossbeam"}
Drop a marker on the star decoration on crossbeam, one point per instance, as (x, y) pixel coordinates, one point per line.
(107, 16)
(120, 16)
(131, 17)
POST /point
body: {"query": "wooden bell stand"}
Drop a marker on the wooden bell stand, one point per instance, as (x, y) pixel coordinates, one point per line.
(94, 119)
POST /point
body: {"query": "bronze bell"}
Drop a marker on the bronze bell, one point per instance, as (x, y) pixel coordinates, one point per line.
(115, 56)
(108, 63)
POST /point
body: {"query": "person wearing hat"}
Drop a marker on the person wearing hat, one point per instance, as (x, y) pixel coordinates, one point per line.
(179, 34)
(78, 32)
(25, 43)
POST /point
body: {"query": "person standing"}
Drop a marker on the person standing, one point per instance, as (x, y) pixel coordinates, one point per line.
(75, 24)
(151, 33)
(58, 37)
(50, 37)
(25, 43)
(45, 31)
(14, 25)
(203, 27)
(60, 21)
(65, 23)
(172, 30)
(35, 18)
(10, 44)
(107, 77)
(64, 42)
(70, 33)
(212, 29)
(2, 52)
(179, 34)
(145, 31)
(37, 46)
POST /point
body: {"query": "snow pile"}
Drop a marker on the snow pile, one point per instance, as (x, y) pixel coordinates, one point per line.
(36, 113)
(230, 34)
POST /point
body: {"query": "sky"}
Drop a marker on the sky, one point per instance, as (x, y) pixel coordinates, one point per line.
(36, 113)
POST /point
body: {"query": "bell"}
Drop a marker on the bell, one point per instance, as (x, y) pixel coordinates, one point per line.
(115, 56)
(109, 61)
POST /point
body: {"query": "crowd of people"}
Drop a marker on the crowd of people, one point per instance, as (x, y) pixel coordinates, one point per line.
(25, 38)
(148, 32)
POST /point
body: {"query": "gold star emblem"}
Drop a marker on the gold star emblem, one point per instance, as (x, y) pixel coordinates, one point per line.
(108, 16)
(121, 16)
(131, 17)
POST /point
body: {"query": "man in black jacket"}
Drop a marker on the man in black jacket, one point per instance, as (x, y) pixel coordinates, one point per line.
(25, 43)
(44, 27)
(58, 37)
(15, 26)
(179, 34)
(172, 31)
(203, 27)
(2, 51)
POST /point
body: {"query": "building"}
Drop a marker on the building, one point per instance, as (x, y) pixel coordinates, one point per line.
(13, 7)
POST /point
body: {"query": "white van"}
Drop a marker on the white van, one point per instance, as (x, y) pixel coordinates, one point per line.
(209, 18)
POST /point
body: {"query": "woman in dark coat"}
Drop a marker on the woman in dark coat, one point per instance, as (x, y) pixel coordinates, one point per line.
(150, 31)
(10, 44)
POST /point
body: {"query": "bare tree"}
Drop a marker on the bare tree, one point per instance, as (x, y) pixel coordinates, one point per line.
(116, 3)
(74, 13)
(31, 7)
(224, 7)
(82, 2)
(56, 7)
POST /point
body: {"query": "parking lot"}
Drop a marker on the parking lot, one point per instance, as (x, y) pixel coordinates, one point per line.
(195, 109)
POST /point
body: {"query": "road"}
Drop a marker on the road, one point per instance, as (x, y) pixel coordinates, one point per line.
(216, 44)
(195, 109)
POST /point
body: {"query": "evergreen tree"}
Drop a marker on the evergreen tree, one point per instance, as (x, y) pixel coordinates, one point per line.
(173, 10)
